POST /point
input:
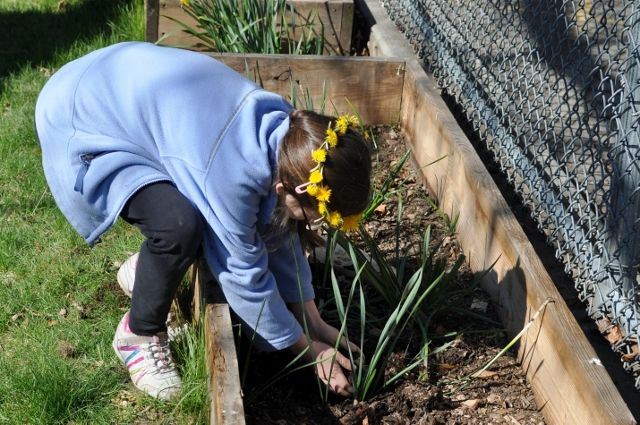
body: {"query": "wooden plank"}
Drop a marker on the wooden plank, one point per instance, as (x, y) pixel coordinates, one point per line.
(170, 32)
(225, 392)
(224, 379)
(569, 383)
(334, 19)
(346, 27)
(373, 86)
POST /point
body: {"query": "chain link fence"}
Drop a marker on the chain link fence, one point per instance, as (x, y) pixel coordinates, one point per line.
(553, 89)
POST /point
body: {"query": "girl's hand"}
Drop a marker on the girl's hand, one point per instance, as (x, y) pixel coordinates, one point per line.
(330, 368)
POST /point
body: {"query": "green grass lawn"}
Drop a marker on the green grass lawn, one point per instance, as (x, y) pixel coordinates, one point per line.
(59, 300)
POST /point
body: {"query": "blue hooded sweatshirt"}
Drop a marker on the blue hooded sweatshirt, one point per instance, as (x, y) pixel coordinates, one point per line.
(131, 114)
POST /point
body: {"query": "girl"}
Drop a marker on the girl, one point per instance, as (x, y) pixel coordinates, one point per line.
(193, 154)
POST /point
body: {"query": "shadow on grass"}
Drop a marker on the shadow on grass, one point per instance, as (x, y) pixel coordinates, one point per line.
(34, 37)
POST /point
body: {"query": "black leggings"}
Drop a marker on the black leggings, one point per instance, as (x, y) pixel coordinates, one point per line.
(173, 229)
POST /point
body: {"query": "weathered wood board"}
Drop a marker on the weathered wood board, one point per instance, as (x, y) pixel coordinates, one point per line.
(371, 87)
(570, 384)
(225, 392)
(224, 379)
(332, 18)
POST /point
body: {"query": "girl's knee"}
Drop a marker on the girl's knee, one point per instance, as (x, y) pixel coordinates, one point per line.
(189, 228)
(181, 233)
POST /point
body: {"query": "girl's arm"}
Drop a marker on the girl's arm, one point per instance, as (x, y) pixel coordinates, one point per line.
(317, 327)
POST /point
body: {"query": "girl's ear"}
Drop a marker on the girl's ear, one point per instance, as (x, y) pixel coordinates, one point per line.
(279, 188)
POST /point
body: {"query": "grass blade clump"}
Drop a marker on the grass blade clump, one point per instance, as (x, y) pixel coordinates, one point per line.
(249, 26)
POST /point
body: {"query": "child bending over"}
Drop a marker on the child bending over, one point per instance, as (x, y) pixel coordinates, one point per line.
(194, 154)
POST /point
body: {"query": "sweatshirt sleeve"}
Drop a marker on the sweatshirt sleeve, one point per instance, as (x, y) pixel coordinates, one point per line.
(251, 290)
(239, 193)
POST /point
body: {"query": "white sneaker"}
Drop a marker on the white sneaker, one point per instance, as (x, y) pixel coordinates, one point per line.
(149, 361)
(127, 274)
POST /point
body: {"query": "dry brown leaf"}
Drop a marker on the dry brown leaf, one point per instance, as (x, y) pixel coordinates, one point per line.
(635, 352)
(603, 324)
(494, 399)
(62, 312)
(614, 334)
(485, 374)
(381, 209)
(446, 366)
(471, 404)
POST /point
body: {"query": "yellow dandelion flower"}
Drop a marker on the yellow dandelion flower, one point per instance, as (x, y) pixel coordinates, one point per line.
(315, 176)
(319, 155)
(342, 124)
(323, 194)
(184, 2)
(334, 219)
(332, 137)
(353, 120)
(351, 222)
(322, 208)
(312, 189)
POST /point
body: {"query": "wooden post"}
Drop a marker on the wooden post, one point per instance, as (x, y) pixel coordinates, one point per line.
(152, 14)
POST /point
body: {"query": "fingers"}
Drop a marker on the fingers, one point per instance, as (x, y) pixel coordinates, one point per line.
(344, 390)
(330, 371)
(337, 382)
(343, 361)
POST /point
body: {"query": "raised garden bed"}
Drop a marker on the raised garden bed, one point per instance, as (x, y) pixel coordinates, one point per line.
(568, 381)
(436, 392)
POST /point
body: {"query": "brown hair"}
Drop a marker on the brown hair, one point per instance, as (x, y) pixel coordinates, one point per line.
(347, 170)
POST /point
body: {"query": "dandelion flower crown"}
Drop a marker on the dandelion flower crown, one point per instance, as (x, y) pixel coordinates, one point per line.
(317, 188)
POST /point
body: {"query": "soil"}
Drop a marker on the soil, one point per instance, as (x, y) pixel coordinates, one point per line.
(439, 391)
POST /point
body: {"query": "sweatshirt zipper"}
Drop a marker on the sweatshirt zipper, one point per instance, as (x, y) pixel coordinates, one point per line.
(85, 160)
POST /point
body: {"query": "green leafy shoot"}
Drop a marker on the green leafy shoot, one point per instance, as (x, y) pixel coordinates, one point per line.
(404, 315)
(450, 220)
(249, 26)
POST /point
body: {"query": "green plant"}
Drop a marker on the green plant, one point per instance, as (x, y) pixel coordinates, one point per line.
(450, 220)
(412, 293)
(406, 300)
(190, 353)
(249, 26)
